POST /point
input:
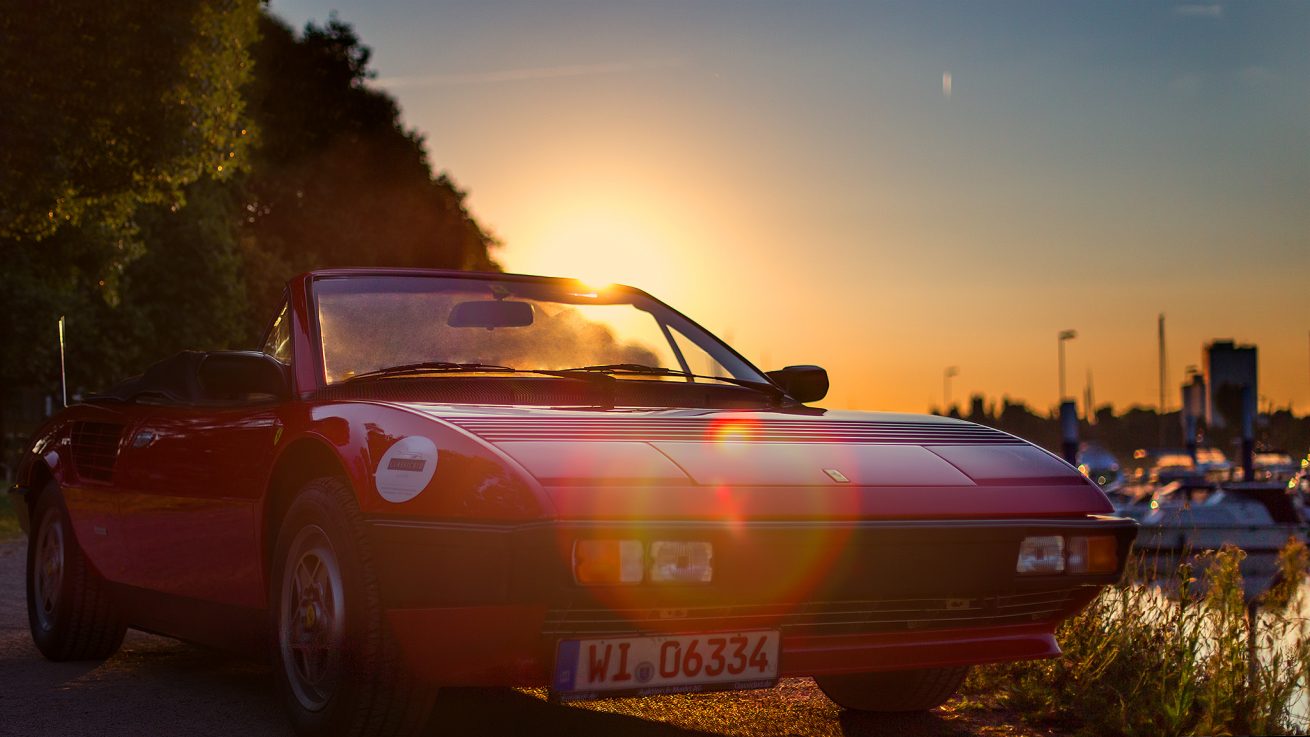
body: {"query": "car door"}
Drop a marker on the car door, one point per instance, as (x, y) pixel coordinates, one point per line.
(190, 517)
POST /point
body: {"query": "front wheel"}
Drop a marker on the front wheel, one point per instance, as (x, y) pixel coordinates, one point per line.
(906, 690)
(339, 671)
(68, 607)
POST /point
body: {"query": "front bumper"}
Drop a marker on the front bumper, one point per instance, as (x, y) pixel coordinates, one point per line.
(480, 604)
(503, 646)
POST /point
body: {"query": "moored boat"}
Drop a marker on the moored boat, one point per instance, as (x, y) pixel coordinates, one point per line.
(1257, 517)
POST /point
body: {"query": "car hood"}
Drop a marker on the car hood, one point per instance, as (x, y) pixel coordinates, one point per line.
(858, 457)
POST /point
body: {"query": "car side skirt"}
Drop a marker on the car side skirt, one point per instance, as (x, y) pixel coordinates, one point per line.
(236, 629)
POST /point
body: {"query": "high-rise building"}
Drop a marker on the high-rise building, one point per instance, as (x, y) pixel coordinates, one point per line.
(1193, 406)
(1230, 369)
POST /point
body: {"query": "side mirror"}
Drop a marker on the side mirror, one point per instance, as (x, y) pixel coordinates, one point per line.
(803, 383)
(242, 376)
(491, 313)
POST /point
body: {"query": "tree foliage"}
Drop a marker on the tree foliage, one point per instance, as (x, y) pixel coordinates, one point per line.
(336, 180)
(110, 106)
(168, 166)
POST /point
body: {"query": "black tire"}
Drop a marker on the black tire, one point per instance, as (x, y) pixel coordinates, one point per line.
(69, 610)
(905, 690)
(337, 666)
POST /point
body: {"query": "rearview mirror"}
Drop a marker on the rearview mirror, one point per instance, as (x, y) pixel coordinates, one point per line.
(802, 383)
(490, 314)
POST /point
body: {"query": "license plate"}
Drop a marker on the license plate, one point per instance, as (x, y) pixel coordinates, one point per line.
(646, 666)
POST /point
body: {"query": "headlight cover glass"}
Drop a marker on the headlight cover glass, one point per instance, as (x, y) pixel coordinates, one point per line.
(681, 561)
(1039, 555)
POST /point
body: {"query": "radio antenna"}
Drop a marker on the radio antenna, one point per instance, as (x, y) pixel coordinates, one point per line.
(63, 376)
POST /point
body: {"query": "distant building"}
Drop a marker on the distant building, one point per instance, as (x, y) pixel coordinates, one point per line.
(1194, 399)
(1194, 395)
(1229, 370)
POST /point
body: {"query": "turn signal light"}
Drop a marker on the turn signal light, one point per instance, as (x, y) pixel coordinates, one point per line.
(608, 562)
(1098, 554)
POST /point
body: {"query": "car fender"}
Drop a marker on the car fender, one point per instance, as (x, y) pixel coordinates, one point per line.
(42, 461)
(350, 439)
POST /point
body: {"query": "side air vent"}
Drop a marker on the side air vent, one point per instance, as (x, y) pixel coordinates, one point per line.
(95, 449)
(511, 429)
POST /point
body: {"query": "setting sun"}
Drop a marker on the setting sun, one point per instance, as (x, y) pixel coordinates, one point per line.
(598, 242)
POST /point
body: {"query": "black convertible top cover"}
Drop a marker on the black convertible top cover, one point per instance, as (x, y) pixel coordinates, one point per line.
(174, 379)
(194, 377)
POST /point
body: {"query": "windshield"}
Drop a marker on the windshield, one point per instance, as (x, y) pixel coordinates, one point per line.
(372, 323)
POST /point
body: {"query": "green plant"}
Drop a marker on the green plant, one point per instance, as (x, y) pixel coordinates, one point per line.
(1172, 654)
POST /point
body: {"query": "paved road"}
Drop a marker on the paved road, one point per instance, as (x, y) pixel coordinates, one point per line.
(158, 686)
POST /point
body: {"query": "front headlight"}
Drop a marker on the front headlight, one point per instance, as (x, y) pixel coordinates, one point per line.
(680, 561)
(1040, 555)
(1051, 554)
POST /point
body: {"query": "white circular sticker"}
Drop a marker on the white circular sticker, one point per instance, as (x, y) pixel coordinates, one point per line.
(406, 468)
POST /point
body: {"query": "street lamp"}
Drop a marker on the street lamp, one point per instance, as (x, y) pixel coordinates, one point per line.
(947, 374)
(1064, 335)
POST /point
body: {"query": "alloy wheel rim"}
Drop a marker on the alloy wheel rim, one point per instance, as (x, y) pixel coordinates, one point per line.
(311, 625)
(48, 574)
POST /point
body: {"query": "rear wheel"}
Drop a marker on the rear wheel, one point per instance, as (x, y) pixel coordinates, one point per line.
(906, 690)
(339, 671)
(68, 607)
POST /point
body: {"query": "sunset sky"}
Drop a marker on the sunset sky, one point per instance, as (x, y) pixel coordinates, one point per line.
(890, 189)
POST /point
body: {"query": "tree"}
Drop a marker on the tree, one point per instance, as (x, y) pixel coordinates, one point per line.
(336, 180)
(186, 291)
(113, 207)
(109, 109)
(111, 106)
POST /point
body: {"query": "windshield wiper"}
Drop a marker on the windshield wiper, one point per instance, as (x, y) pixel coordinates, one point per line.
(431, 367)
(601, 372)
(641, 369)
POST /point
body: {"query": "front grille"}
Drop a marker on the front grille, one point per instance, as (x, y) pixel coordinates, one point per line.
(817, 618)
(94, 448)
(741, 429)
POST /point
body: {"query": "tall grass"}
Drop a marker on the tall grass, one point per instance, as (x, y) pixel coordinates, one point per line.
(1172, 655)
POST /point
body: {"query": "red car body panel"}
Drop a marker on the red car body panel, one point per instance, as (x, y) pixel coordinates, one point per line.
(177, 506)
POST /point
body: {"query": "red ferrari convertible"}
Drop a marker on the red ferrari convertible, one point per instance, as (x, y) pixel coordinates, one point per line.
(432, 478)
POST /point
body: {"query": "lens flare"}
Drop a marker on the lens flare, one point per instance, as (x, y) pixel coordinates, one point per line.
(732, 430)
